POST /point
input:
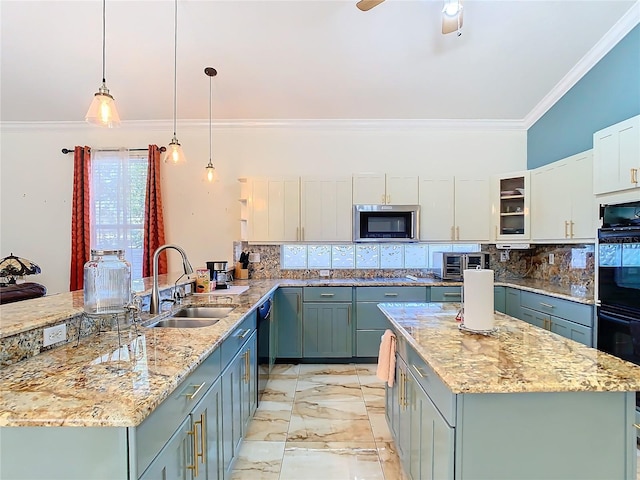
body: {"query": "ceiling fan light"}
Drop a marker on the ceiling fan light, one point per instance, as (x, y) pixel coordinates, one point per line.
(103, 111)
(175, 155)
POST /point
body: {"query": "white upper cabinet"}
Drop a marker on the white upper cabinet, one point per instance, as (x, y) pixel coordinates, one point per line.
(389, 189)
(274, 209)
(563, 206)
(454, 209)
(616, 157)
(326, 209)
(511, 207)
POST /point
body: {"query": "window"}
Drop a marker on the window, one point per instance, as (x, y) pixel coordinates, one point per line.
(118, 188)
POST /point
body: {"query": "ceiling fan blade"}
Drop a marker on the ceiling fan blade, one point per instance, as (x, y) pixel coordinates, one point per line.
(450, 23)
(365, 5)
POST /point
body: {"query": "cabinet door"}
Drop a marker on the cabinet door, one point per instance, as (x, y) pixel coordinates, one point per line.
(446, 294)
(369, 188)
(472, 209)
(327, 330)
(571, 330)
(550, 208)
(536, 318)
(499, 299)
(583, 201)
(436, 201)
(275, 209)
(207, 428)
(248, 354)
(511, 201)
(231, 412)
(512, 302)
(616, 153)
(288, 315)
(177, 455)
(401, 189)
(326, 209)
(403, 441)
(392, 403)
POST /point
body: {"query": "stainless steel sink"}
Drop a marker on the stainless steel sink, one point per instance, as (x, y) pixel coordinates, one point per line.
(204, 312)
(184, 322)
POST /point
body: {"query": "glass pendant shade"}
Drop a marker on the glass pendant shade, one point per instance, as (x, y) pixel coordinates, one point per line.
(103, 111)
(211, 170)
(174, 154)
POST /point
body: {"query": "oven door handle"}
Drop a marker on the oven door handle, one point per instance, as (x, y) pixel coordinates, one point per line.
(613, 319)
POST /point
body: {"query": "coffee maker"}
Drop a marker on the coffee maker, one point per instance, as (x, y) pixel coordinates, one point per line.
(218, 274)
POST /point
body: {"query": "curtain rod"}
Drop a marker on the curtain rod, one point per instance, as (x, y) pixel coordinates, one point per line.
(162, 149)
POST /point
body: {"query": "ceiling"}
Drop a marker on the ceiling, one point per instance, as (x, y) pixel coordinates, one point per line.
(295, 59)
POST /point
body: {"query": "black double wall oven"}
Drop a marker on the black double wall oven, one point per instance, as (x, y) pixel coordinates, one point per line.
(619, 282)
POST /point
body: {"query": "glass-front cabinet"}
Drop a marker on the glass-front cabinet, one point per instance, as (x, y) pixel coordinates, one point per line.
(510, 207)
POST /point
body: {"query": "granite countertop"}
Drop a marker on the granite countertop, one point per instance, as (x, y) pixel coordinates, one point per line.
(517, 358)
(102, 382)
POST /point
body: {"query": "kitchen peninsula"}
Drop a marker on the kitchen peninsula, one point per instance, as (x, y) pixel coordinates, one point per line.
(89, 404)
(520, 402)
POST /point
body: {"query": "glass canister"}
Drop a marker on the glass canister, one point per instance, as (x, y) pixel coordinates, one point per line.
(107, 282)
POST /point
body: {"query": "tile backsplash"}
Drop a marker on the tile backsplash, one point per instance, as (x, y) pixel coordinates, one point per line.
(572, 264)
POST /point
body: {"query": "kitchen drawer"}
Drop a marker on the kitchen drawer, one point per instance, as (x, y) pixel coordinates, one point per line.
(240, 334)
(369, 316)
(391, 294)
(446, 294)
(327, 294)
(438, 392)
(152, 434)
(576, 312)
(368, 343)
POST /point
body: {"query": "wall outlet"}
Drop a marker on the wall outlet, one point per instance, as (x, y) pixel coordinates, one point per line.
(552, 259)
(504, 255)
(54, 335)
(324, 273)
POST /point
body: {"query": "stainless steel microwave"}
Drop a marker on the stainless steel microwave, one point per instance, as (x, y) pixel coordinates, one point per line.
(386, 223)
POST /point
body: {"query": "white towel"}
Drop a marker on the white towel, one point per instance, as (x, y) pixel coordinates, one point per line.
(387, 358)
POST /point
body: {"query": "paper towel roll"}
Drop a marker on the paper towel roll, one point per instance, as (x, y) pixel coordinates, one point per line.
(478, 299)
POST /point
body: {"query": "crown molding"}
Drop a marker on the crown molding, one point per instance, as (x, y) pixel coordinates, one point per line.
(345, 124)
(615, 34)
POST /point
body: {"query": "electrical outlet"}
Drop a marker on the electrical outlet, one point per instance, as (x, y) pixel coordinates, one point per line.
(324, 273)
(552, 259)
(504, 255)
(54, 335)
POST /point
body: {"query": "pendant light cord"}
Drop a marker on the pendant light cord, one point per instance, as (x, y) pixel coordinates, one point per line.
(175, 67)
(210, 120)
(104, 9)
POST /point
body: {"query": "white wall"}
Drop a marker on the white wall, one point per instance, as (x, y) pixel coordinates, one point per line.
(36, 178)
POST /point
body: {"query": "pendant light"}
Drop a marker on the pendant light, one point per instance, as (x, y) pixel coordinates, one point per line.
(174, 153)
(102, 111)
(210, 72)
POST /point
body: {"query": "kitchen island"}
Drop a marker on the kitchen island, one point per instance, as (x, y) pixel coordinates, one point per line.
(519, 403)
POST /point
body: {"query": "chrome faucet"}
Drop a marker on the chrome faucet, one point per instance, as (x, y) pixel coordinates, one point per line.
(154, 305)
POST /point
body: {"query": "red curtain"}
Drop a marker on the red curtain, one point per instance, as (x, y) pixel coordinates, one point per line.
(153, 217)
(80, 222)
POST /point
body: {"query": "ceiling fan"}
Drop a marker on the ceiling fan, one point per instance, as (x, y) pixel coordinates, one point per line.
(451, 14)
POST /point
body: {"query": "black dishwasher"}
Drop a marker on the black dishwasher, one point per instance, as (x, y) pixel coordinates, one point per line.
(265, 357)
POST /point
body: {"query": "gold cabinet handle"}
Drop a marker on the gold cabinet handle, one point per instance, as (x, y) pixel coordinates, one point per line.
(382, 197)
(566, 226)
(327, 294)
(200, 454)
(389, 199)
(390, 294)
(243, 334)
(452, 294)
(637, 425)
(571, 228)
(634, 175)
(193, 395)
(457, 233)
(548, 305)
(302, 234)
(496, 228)
(247, 365)
(418, 371)
(194, 444)
(400, 390)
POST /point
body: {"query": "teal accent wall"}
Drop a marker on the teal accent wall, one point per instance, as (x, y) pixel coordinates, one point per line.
(607, 94)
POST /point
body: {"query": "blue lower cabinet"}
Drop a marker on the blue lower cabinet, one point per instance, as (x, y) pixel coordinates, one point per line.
(499, 299)
(368, 342)
(288, 322)
(512, 302)
(446, 294)
(327, 330)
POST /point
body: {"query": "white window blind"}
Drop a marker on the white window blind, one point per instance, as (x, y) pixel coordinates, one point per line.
(118, 187)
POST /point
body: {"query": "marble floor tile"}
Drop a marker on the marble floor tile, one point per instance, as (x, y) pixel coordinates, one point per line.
(380, 428)
(307, 429)
(270, 422)
(375, 405)
(258, 461)
(307, 370)
(329, 388)
(280, 390)
(330, 411)
(331, 461)
(390, 461)
(284, 370)
(366, 368)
